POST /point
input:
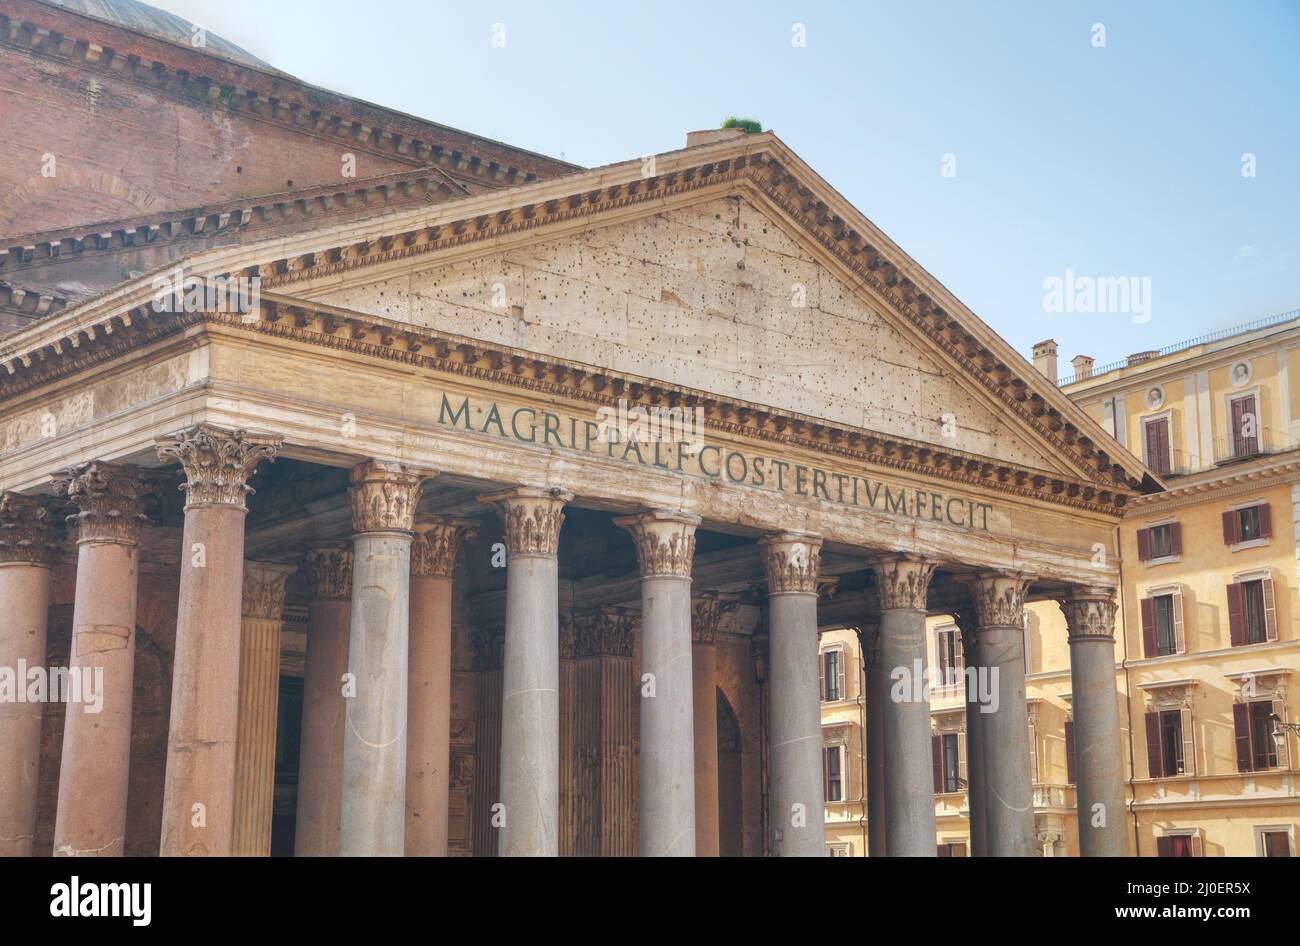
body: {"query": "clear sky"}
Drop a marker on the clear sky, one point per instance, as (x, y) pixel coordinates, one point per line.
(1115, 160)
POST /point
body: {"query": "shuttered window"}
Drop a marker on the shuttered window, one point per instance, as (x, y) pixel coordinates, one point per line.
(1245, 426)
(1162, 625)
(1169, 743)
(1177, 845)
(834, 775)
(1157, 441)
(1257, 746)
(1247, 523)
(832, 675)
(1252, 612)
(949, 655)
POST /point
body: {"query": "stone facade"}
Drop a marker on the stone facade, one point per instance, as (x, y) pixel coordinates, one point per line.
(555, 480)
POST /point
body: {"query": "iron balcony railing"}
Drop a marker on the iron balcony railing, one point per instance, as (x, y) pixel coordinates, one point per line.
(1183, 346)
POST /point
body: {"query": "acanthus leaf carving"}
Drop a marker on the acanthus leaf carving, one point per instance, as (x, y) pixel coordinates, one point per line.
(217, 462)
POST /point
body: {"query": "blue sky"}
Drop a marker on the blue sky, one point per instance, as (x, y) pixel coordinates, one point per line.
(1122, 160)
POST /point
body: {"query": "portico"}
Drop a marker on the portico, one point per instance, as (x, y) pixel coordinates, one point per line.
(551, 559)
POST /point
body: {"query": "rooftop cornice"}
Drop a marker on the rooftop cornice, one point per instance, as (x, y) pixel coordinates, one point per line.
(268, 94)
(359, 333)
(762, 164)
(301, 203)
(1237, 477)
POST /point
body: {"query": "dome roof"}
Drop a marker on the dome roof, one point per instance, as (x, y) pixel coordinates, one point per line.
(133, 15)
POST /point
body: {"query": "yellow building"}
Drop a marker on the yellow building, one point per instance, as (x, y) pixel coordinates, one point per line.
(1207, 638)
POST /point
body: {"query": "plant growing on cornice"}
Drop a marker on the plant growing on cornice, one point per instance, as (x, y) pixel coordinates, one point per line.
(747, 125)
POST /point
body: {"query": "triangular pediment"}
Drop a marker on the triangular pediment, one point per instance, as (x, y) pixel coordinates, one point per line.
(732, 274)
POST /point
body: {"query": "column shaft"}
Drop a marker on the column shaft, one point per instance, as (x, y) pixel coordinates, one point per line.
(428, 744)
(877, 686)
(1008, 794)
(704, 671)
(909, 780)
(1099, 773)
(530, 698)
(790, 563)
(95, 770)
(975, 787)
(27, 547)
(199, 788)
(324, 716)
(259, 698)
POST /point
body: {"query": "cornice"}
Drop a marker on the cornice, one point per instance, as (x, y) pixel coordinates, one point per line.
(269, 96)
(357, 333)
(1231, 482)
(307, 204)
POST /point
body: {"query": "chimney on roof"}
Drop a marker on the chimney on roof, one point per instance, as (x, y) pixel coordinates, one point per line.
(710, 135)
(1082, 365)
(1045, 359)
(1140, 356)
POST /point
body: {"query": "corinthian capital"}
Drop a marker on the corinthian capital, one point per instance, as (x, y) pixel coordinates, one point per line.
(329, 570)
(28, 530)
(999, 598)
(384, 496)
(1090, 614)
(110, 499)
(707, 611)
(532, 517)
(791, 561)
(217, 462)
(604, 632)
(665, 542)
(903, 581)
(264, 585)
(437, 539)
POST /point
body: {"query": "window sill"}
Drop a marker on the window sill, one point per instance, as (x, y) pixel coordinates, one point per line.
(1163, 560)
(1249, 544)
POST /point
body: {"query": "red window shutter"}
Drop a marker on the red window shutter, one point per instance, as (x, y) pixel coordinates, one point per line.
(943, 850)
(1251, 443)
(958, 849)
(1270, 610)
(1069, 752)
(1155, 763)
(1164, 847)
(1175, 539)
(1149, 647)
(1241, 728)
(1230, 536)
(936, 757)
(1144, 544)
(1265, 522)
(1236, 614)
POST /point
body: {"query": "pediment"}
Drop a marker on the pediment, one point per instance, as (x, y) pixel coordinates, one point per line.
(733, 275)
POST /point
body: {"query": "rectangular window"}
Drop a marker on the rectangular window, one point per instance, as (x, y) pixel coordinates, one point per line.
(1248, 524)
(1177, 845)
(951, 764)
(948, 652)
(1157, 439)
(1245, 426)
(1162, 544)
(834, 776)
(1262, 742)
(1253, 611)
(1168, 743)
(954, 849)
(1166, 642)
(1275, 844)
(832, 682)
